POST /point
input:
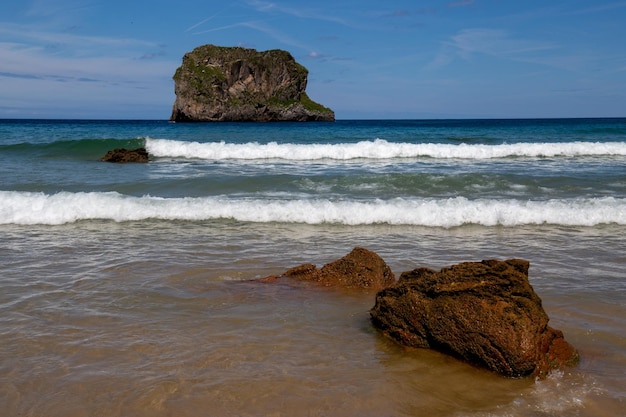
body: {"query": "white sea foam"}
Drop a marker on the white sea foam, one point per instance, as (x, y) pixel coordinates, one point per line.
(377, 149)
(64, 207)
(558, 395)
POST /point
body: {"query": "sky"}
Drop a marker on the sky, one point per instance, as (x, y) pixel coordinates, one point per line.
(112, 59)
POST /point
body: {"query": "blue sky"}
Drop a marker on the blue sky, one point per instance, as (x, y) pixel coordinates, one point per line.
(367, 59)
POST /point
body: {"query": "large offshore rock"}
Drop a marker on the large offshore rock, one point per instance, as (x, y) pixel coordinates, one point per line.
(237, 84)
(485, 312)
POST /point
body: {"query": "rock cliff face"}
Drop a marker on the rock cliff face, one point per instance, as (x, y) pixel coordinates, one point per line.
(237, 84)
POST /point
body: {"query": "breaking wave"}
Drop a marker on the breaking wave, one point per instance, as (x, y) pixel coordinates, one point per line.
(377, 149)
(64, 207)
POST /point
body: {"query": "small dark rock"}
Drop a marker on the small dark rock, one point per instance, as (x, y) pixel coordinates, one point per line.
(123, 155)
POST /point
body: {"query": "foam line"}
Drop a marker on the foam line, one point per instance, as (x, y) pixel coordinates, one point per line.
(64, 207)
(377, 149)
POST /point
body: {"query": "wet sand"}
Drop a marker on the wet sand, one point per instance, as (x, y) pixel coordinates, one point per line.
(158, 319)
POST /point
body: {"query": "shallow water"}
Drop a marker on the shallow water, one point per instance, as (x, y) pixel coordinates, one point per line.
(128, 290)
(161, 318)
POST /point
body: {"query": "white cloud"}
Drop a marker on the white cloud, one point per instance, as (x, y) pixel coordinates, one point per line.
(35, 61)
(72, 73)
(492, 42)
(461, 3)
(601, 8)
(268, 7)
(57, 8)
(74, 44)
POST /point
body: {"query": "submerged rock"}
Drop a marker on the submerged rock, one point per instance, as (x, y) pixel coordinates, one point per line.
(485, 312)
(361, 268)
(122, 155)
(237, 84)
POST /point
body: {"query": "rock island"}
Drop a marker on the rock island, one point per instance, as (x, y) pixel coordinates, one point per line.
(217, 83)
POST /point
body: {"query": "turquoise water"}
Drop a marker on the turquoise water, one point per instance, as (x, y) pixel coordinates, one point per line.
(514, 172)
(125, 288)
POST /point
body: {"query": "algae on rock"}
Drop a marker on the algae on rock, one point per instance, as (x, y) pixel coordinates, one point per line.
(217, 83)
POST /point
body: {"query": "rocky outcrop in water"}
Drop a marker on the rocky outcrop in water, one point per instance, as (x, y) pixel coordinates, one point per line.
(360, 268)
(485, 312)
(123, 155)
(237, 84)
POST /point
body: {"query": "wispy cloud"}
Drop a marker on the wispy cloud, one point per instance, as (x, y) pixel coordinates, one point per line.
(34, 62)
(600, 8)
(492, 42)
(51, 77)
(58, 8)
(73, 85)
(399, 13)
(220, 28)
(262, 27)
(200, 23)
(502, 45)
(96, 69)
(275, 34)
(32, 34)
(444, 57)
(326, 57)
(305, 13)
(19, 75)
(218, 14)
(461, 3)
(426, 10)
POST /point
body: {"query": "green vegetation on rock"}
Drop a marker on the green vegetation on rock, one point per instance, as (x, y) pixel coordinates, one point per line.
(217, 83)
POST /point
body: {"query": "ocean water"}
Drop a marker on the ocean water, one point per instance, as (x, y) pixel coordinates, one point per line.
(128, 290)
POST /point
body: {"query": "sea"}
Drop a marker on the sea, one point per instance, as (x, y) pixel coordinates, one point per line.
(132, 289)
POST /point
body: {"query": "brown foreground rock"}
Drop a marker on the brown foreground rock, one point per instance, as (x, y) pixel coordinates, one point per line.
(122, 155)
(485, 312)
(361, 268)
